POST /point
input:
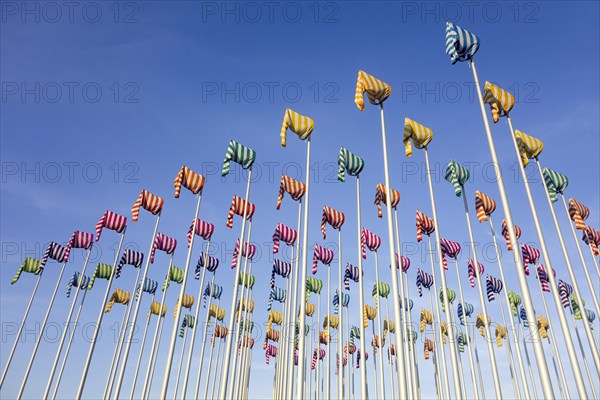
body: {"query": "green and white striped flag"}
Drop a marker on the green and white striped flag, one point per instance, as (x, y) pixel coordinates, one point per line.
(240, 154)
(457, 175)
(103, 271)
(350, 162)
(176, 275)
(30, 265)
(555, 182)
(188, 322)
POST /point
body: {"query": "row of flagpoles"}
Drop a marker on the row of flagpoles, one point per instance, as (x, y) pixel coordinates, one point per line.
(305, 360)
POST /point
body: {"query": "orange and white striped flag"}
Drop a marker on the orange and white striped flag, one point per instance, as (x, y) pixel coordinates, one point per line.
(484, 206)
(149, 202)
(189, 179)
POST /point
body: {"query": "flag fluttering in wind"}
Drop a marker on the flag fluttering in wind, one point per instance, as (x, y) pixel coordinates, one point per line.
(426, 318)
(78, 281)
(248, 251)
(188, 322)
(579, 213)
(461, 45)
(529, 147)
(129, 257)
(348, 162)
(368, 240)
(54, 251)
(592, 237)
(102, 271)
(321, 254)
(79, 240)
(369, 314)
(280, 268)
(424, 280)
(530, 255)
(30, 265)
(294, 188)
(336, 301)
(484, 206)
(424, 225)
(186, 302)
(239, 207)
(149, 287)
(111, 220)
(189, 179)
(299, 124)
(203, 229)
(500, 100)
(472, 273)
(377, 91)
(464, 311)
(164, 243)
(149, 202)
(457, 175)
(239, 154)
(449, 249)
(351, 272)
(176, 275)
(285, 233)
(380, 197)
(205, 261)
(543, 277)
(515, 301)
(276, 294)
(419, 134)
(212, 290)
(118, 296)
(332, 217)
(518, 233)
(493, 286)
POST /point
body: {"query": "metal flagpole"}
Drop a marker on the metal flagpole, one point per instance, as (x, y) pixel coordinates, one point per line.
(440, 378)
(435, 307)
(136, 310)
(39, 338)
(88, 360)
(64, 362)
(340, 329)
(328, 315)
(415, 376)
(186, 375)
(169, 361)
(214, 383)
(532, 381)
(375, 363)
(467, 335)
(139, 360)
(527, 302)
(245, 301)
(361, 297)
(452, 345)
(350, 370)
(583, 263)
(390, 359)
(212, 348)
(476, 352)
(317, 365)
(68, 321)
(181, 360)
(585, 363)
(512, 321)
(561, 315)
(395, 293)
(157, 336)
(301, 360)
(207, 324)
(380, 342)
(513, 370)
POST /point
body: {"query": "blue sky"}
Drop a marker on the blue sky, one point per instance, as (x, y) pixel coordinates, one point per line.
(104, 99)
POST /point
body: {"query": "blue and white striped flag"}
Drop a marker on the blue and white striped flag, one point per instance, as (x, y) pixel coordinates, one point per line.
(461, 45)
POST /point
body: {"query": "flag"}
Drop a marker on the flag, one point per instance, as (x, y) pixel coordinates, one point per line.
(471, 271)
(239, 207)
(30, 265)
(240, 154)
(500, 100)
(529, 147)
(408, 304)
(428, 347)
(543, 326)
(285, 233)
(246, 280)
(248, 251)
(164, 243)
(118, 296)
(280, 268)
(212, 290)
(190, 180)
(79, 240)
(351, 272)
(187, 302)
(451, 294)
(426, 318)
(129, 257)
(450, 249)
(480, 324)
(203, 229)
(156, 309)
(543, 277)
(531, 255)
(377, 91)
(464, 311)
(211, 263)
(111, 220)
(149, 286)
(216, 312)
(493, 286)
(514, 300)
(77, 281)
(313, 285)
(579, 213)
(518, 233)
(336, 301)
(349, 162)
(404, 262)
(461, 45)
(299, 124)
(369, 314)
(457, 175)
(150, 202)
(380, 197)
(420, 135)
(484, 206)
(370, 240)
(380, 289)
(321, 254)
(501, 333)
(102, 271)
(424, 280)
(592, 238)
(188, 322)
(424, 225)
(276, 294)
(56, 252)
(555, 183)
(293, 187)
(176, 275)
(332, 217)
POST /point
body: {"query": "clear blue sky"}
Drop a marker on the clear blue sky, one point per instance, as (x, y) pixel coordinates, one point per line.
(103, 99)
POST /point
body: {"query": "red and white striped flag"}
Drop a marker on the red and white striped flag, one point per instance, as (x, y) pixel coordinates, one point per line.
(203, 229)
(79, 240)
(112, 221)
(164, 243)
(424, 225)
(285, 233)
(240, 207)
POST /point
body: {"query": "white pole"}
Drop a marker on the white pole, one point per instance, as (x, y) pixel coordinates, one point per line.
(68, 321)
(489, 340)
(467, 335)
(212, 348)
(380, 343)
(136, 311)
(513, 369)
(157, 337)
(561, 384)
(583, 263)
(329, 329)
(240, 346)
(301, 360)
(340, 329)
(375, 364)
(312, 332)
(70, 341)
(435, 307)
(449, 317)
(88, 360)
(476, 352)
(438, 374)
(395, 293)
(390, 359)
(554, 289)
(524, 380)
(350, 371)
(214, 383)
(361, 298)
(527, 302)
(317, 365)
(532, 381)
(139, 360)
(462, 373)
(186, 374)
(185, 330)
(415, 368)
(585, 363)
(39, 338)
(207, 323)
(171, 349)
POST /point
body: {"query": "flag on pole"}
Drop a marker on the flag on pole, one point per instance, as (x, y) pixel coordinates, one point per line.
(321, 254)
(119, 296)
(149, 287)
(285, 233)
(484, 206)
(493, 286)
(78, 281)
(579, 213)
(248, 251)
(369, 314)
(451, 297)
(30, 265)
(449, 249)
(543, 277)
(336, 301)
(211, 263)
(212, 290)
(188, 322)
(332, 217)
(404, 262)
(426, 318)
(420, 135)
(424, 225)
(203, 229)
(515, 300)
(54, 251)
(529, 147)
(176, 275)
(112, 221)
(500, 100)
(530, 254)
(592, 238)
(501, 333)
(156, 309)
(102, 271)
(518, 233)
(351, 272)
(380, 289)
(471, 271)
(246, 280)
(239, 207)
(150, 202)
(348, 162)
(186, 302)
(368, 240)
(276, 294)
(299, 124)
(189, 179)
(129, 257)
(164, 243)
(380, 197)
(377, 91)
(79, 240)
(280, 268)
(424, 280)
(293, 187)
(479, 323)
(464, 311)
(313, 285)
(461, 45)
(216, 312)
(457, 175)
(240, 154)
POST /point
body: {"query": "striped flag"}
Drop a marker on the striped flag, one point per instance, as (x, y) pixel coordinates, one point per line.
(321, 254)
(555, 183)
(248, 251)
(501, 333)
(313, 285)
(592, 238)
(464, 311)
(203, 229)
(276, 294)
(299, 124)
(246, 280)
(426, 318)
(293, 187)
(377, 91)
(119, 296)
(368, 240)
(188, 322)
(484, 206)
(420, 135)
(480, 324)
(543, 277)
(380, 197)
(211, 263)
(518, 233)
(176, 275)
(351, 272)
(579, 213)
(187, 302)
(150, 202)
(336, 301)
(451, 294)
(424, 225)
(129, 257)
(514, 300)
(428, 347)
(164, 243)
(404, 262)
(500, 100)
(54, 251)
(239, 207)
(111, 220)
(457, 175)
(529, 147)
(530, 255)
(240, 154)
(102, 271)
(149, 287)
(285, 233)
(156, 309)
(450, 249)
(369, 314)
(472, 273)
(214, 291)
(78, 281)
(30, 265)
(190, 180)
(461, 45)
(424, 280)
(348, 162)
(493, 286)
(216, 312)
(332, 217)
(79, 240)
(280, 268)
